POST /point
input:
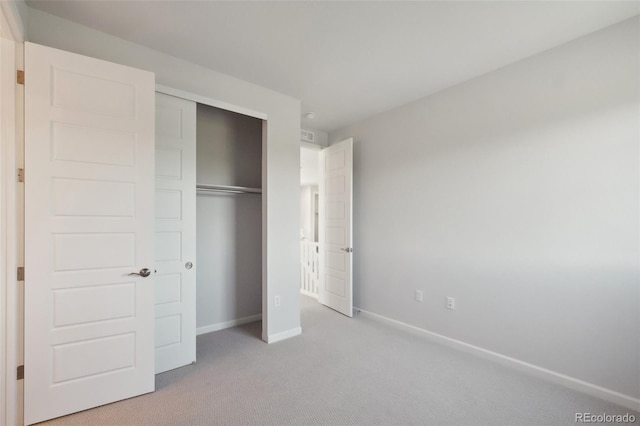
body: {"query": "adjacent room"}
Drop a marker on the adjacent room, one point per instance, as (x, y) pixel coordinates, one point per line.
(320, 212)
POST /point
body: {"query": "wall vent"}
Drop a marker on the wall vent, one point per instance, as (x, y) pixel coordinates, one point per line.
(307, 136)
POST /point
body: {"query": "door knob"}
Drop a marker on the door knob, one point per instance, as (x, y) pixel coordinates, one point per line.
(144, 272)
(347, 249)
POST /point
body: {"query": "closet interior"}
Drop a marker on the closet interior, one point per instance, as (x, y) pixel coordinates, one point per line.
(228, 218)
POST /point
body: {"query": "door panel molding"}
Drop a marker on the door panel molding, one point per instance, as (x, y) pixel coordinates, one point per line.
(88, 230)
(335, 220)
(175, 211)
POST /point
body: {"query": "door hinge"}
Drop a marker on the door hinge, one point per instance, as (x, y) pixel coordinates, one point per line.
(20, 175)
(20, 273)
(20, 372)
(20, 77)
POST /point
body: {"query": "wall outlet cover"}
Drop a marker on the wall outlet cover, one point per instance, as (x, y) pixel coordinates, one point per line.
(451, 302)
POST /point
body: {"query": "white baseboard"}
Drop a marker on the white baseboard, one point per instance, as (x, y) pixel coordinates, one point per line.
(541, 372)
(227, 324)
(308, 293)
(272, 338)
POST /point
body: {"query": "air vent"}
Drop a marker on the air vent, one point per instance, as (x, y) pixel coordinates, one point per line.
(307, 136)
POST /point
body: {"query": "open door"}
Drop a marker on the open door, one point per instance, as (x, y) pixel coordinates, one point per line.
(175, 232)
(89, 230)
(335, 220)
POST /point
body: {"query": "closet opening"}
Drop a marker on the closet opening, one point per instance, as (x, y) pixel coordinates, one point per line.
(228, 219)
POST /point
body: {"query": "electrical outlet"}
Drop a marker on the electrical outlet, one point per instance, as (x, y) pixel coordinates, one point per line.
(418, 296)
(451, 302)
(276, 300)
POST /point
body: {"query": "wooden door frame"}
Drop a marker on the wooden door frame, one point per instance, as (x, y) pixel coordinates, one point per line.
(11, 214)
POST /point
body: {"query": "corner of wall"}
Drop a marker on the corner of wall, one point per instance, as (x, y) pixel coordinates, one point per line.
(14, 15)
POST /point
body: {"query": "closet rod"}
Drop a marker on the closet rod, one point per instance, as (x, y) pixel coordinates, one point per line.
(228, 188)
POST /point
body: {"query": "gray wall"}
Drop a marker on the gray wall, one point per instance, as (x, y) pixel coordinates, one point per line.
(229, 226)
(229, 148)
(517, 193)
(281, 161)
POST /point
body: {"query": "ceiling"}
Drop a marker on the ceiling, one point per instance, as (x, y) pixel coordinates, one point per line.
(347, 61)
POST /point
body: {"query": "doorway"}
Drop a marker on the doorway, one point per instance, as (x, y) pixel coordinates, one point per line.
(208, 220)
(229, 219)
(327, 259)
(309, 219)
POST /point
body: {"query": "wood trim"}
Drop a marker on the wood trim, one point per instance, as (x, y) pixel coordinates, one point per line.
(11, 225)
(626, 401)
(12, 26)
(273, 338)
(209, 101)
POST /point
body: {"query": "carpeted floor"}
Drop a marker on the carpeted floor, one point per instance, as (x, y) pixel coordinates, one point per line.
(342, 371)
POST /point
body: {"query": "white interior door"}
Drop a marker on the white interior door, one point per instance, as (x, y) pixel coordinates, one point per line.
(175, 232)
(335, 220)
(89, 200)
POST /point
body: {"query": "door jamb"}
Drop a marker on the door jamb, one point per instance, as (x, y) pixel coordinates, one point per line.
(11, 214)
(209, 101)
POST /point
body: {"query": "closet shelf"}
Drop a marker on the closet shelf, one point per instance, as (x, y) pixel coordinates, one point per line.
(228, 188)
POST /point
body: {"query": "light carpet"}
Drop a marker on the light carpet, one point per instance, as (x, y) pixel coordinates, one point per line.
(342, 371)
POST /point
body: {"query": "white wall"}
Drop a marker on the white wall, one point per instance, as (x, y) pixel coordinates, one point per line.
(518, 194)
(229, 226)
(282, 154)
(309, 164)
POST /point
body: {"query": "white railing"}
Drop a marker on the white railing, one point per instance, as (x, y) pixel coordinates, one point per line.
(310, 274)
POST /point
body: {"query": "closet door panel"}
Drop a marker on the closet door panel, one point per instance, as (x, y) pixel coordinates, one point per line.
(175, 202)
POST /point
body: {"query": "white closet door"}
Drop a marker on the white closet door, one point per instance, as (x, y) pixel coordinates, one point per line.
(175, 232)
(89, 148)
(335, 220)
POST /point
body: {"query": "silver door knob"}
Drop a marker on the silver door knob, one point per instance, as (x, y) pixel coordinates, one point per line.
(144, 272)
(347, 249)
